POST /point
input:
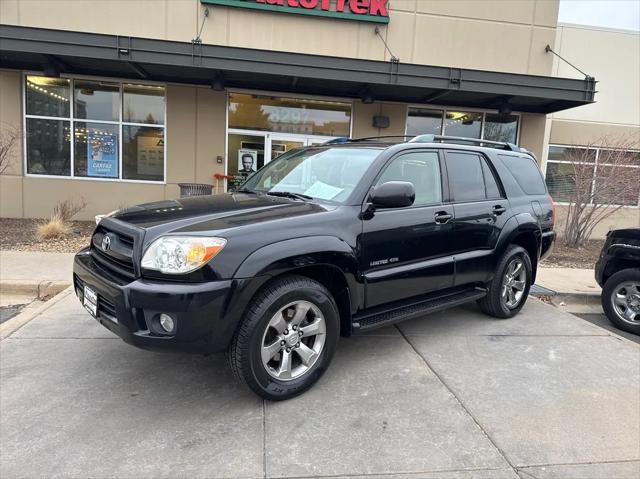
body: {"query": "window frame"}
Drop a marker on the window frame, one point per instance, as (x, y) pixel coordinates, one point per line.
(72, 120)
(483, 159)
(445, 109)
(444, 181)
(595, 165)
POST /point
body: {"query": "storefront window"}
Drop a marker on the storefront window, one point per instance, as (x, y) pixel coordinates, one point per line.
(289, 115)
(102, 113)
(96, 150)
(602, 175)
(48, 147)
(142, 153)
(501, 128)
(424, 122)
(143, 104)
(465, 124)
(488, 126)
(96, 100)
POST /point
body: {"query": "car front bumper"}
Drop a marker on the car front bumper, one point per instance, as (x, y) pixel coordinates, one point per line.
(205, 314)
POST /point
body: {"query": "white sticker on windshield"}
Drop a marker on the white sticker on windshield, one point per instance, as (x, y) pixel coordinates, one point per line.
(323, 191)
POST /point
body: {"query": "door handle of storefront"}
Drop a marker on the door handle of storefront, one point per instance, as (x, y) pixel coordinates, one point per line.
(441, 217)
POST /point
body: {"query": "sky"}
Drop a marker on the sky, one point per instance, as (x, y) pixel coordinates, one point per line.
(602, 13)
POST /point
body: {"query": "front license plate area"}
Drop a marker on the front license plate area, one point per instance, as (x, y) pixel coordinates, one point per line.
(90, 301)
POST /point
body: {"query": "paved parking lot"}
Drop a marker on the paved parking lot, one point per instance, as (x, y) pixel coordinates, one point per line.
(453, 395)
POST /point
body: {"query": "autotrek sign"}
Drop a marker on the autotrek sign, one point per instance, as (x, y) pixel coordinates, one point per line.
(360, 10)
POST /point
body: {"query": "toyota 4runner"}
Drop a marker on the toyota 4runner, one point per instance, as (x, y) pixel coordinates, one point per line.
(324, 241)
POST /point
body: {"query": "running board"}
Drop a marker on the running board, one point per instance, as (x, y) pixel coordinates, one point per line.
(365, 322)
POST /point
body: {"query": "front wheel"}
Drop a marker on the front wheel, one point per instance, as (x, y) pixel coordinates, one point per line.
(287, 338)
(509, 289)
(621, 300)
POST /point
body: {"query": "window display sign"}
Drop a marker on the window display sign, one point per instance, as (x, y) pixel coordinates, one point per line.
(150, 155)
(247, 161)
(361, 10)
(102, 154)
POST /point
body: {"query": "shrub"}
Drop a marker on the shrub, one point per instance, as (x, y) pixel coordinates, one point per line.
(56, 227)
(67, 209)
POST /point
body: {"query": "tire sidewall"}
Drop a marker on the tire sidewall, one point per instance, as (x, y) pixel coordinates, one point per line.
(623, 276)
(513, 253)
(270, 386)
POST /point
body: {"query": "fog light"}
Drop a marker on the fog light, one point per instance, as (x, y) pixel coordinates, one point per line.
(167, 323)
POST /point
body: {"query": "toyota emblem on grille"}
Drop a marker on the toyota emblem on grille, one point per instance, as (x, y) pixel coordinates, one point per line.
(106, 243)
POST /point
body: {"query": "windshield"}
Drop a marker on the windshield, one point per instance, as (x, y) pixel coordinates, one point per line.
(322, 173)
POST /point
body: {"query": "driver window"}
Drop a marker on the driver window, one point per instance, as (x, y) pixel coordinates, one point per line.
(421, 168)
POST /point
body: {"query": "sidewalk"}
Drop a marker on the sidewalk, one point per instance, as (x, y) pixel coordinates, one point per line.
(37, 273)
(568, 281)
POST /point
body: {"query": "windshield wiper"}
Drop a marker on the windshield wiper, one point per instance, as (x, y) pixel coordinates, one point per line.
(246, 190)
(289, 194)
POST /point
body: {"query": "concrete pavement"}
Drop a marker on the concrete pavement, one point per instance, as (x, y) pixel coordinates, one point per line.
(568, 281)
(452, 395)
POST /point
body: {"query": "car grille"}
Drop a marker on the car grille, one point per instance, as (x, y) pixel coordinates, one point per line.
(117, 256)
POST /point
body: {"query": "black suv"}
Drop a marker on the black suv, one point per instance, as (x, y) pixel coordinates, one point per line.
(324, 241)
(618, 273)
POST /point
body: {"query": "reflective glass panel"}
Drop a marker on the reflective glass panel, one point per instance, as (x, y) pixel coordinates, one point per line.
(96, 150)
(142, 153)
(47, 96)
(460, 123)
(289, 115)
(143, 104)
(48, 147)
(424, 122)
(96, 100)
(501, 128)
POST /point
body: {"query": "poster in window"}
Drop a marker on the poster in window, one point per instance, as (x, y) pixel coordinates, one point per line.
(247, 161)
(102, 154)
(150, 156)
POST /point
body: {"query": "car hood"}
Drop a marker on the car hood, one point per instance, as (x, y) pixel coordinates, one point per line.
(214, 213)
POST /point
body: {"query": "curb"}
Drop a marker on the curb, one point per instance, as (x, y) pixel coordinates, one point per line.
(39, 289)
(30, 312)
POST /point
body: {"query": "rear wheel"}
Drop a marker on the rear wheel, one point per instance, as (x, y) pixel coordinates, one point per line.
(287, 338)
(509, 289)
(621, 300)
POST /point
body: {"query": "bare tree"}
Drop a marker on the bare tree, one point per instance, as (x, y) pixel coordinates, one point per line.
(9, 140)
(600, 188)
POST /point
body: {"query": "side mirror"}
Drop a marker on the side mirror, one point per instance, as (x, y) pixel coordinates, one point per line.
(393, 194)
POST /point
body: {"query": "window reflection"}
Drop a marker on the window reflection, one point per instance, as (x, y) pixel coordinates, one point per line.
(424, 122)
(465, 124)
(501, 128)
(48, 146)
(289, 115)
(47, 96)
(143, 104)
(96, 100)
(142, 153)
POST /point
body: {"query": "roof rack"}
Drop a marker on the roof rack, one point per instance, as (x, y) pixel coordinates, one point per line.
(344, 139)
(501, 145)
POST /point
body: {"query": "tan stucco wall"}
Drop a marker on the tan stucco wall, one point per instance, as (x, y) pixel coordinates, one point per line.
(502, 35)
(363, 119)
(623, 218)
(195, 136)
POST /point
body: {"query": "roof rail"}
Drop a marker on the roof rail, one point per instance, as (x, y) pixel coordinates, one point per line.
(344, 139)
(501, 145)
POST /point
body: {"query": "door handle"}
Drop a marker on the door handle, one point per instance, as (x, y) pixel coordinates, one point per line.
(442, 217)
(498, 209)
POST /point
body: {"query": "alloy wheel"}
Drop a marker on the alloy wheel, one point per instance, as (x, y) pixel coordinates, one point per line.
(514, 282)
(626, 302)
(293, 340)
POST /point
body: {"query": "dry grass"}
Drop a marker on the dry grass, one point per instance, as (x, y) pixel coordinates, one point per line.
(55, 228)
(67, 209)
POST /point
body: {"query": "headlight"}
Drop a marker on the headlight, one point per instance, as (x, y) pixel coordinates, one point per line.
(181, 254)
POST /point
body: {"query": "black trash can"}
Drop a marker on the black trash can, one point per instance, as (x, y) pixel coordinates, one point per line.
(194, 189)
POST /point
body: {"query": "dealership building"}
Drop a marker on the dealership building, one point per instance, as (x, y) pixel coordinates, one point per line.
(121, 101)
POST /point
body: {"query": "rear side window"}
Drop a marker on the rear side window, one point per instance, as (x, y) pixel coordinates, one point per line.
(526, 172)
(470, 178)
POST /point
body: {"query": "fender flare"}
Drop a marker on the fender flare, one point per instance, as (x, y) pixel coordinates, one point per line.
(288, 255)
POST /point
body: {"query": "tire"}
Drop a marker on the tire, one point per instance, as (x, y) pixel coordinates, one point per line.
(271, 320)
(494, 303)
(625, 287)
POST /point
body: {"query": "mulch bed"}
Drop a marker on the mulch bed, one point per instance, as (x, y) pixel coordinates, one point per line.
(563, 257)
(20, 235)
